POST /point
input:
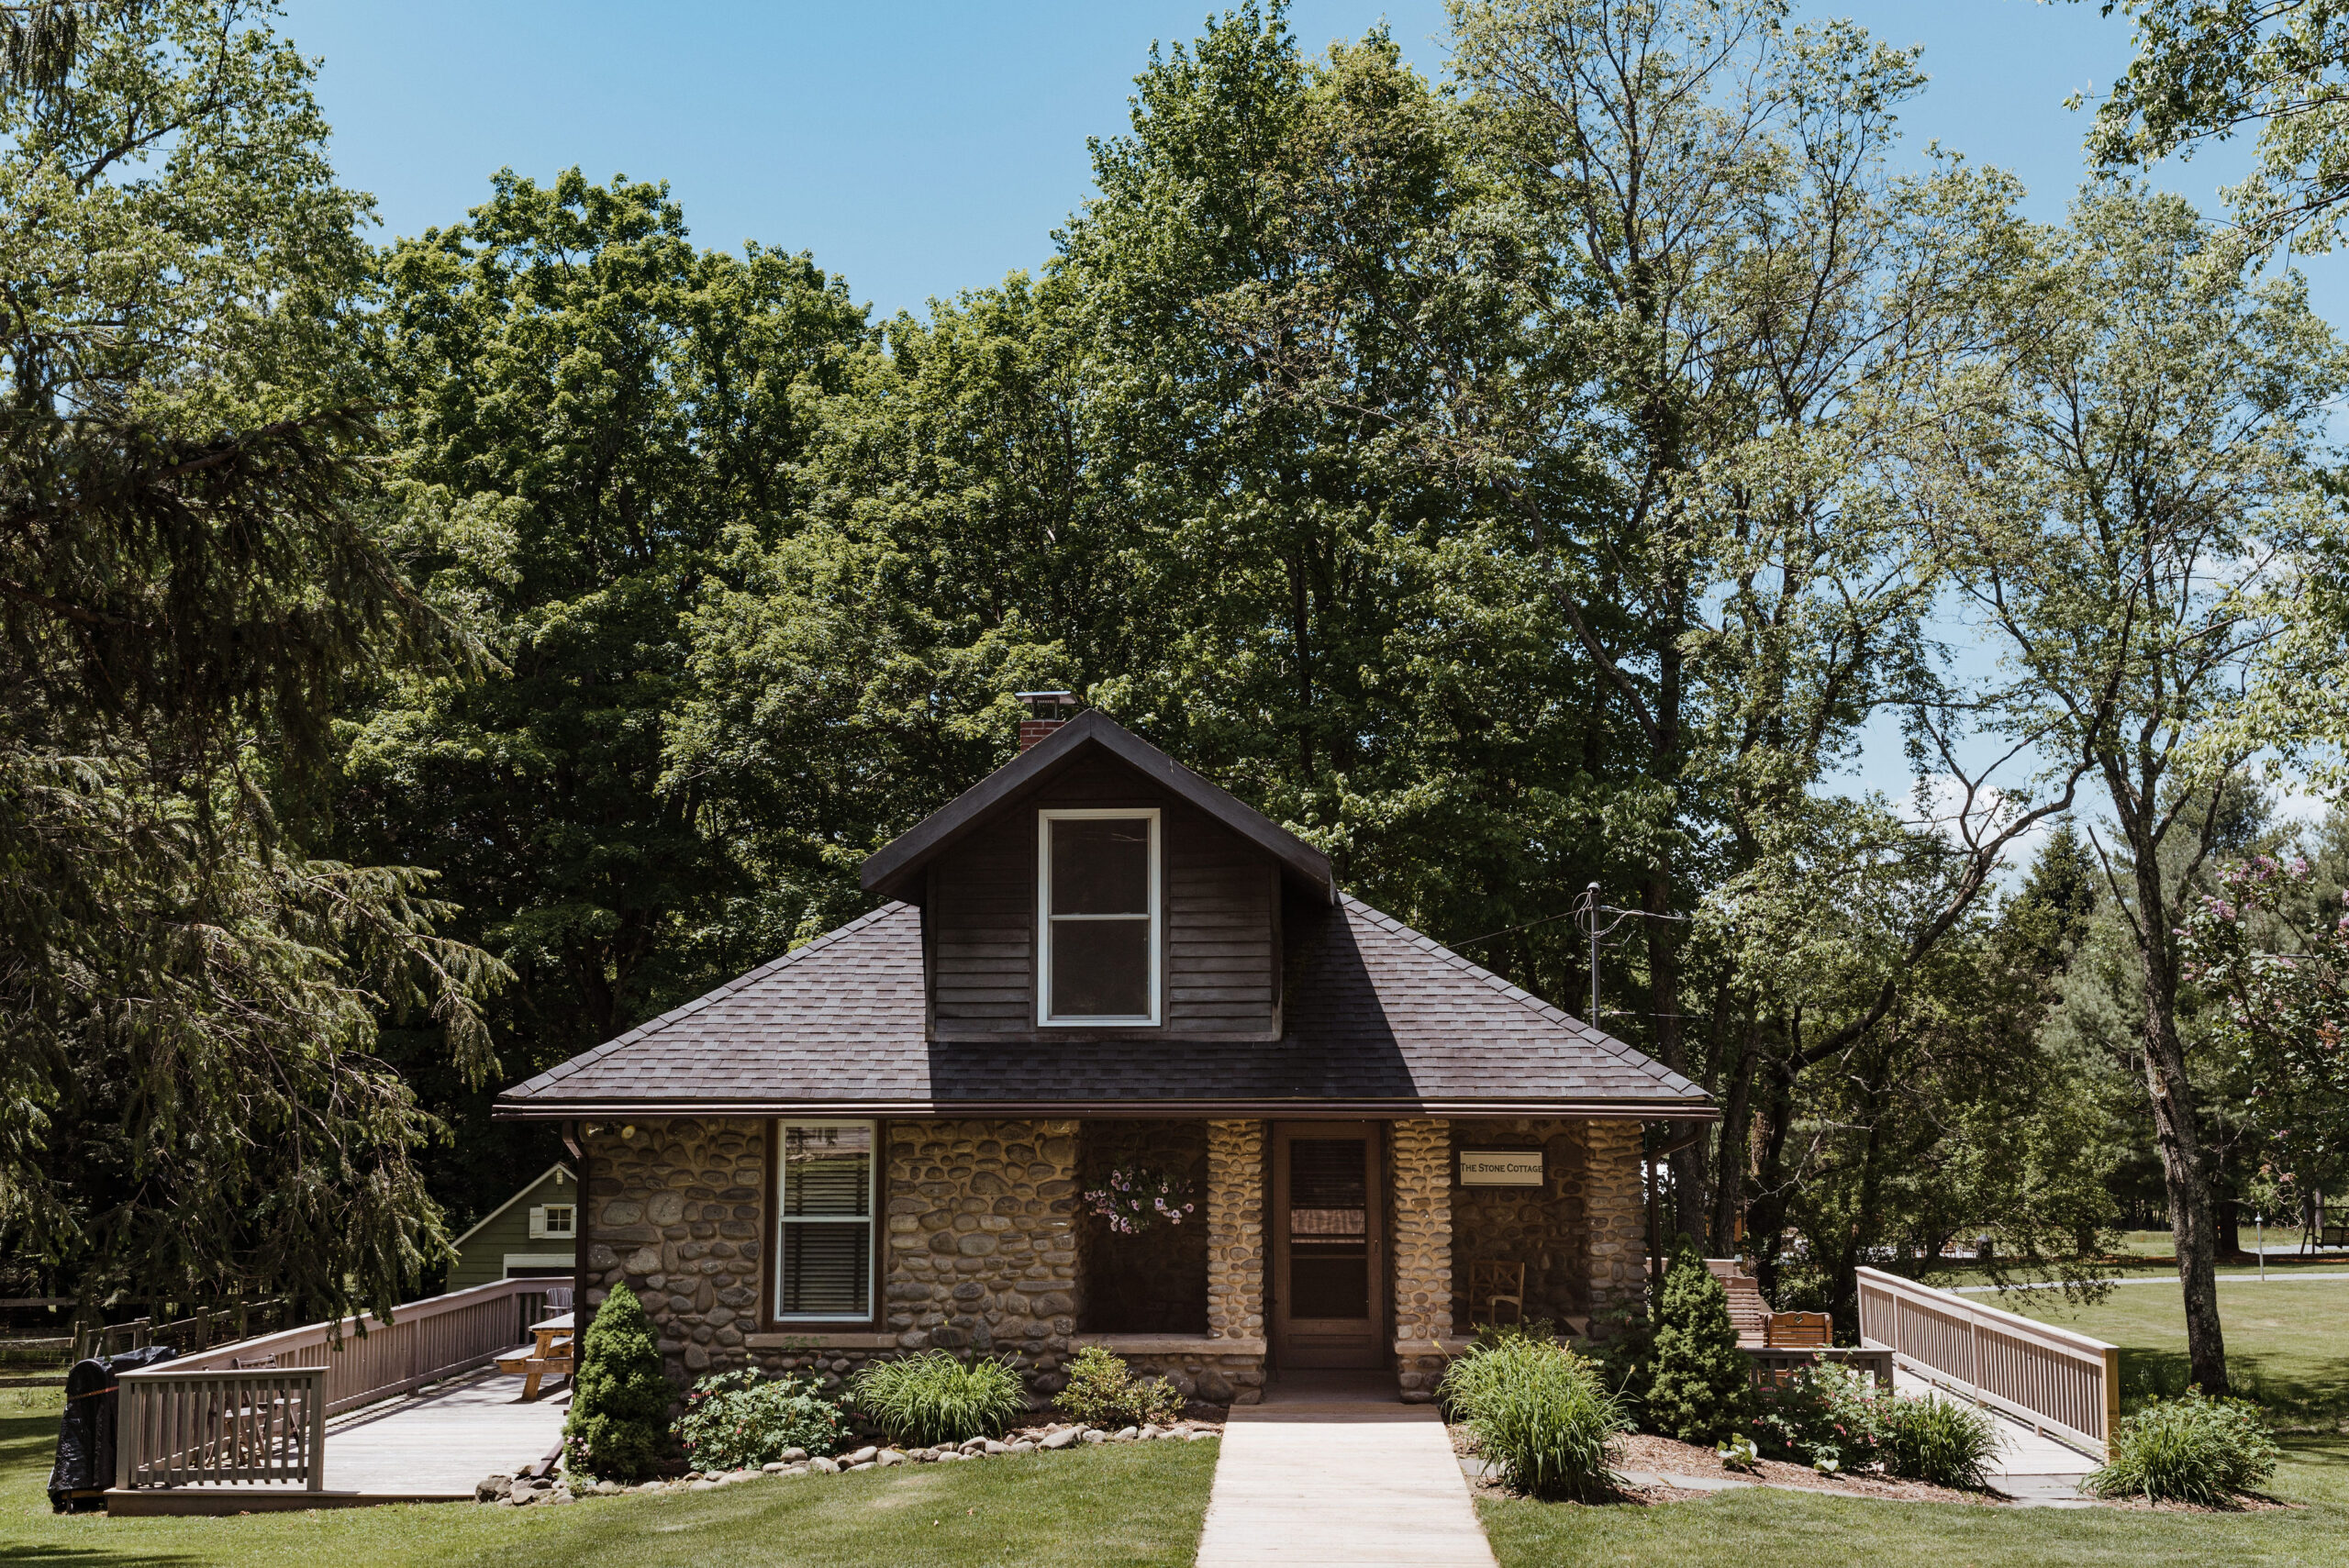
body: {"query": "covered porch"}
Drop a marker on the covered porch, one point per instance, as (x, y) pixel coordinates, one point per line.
(1355, 1245)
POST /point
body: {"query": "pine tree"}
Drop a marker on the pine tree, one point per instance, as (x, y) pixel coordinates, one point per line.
(1702, 1383)
(619, 1428)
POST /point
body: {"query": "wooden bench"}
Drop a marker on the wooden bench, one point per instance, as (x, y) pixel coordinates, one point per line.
(1793, 1330)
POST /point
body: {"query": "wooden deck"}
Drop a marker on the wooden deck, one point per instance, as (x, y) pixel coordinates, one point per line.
(430, 1446)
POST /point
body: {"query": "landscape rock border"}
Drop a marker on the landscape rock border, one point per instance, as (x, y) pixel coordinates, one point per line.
(526, 1490)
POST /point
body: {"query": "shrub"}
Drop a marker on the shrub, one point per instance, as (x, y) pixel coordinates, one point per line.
(1828, 1417)
(619, 1426)
(931, 1397)
(1625, 1352)
(1939, 1442)
(2194, 1449)
(739, 1421)
(1103, 1392)
(1701, 1385)
(1539, 1412)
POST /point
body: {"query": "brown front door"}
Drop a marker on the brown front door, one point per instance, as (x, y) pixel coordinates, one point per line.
(1329, 1267)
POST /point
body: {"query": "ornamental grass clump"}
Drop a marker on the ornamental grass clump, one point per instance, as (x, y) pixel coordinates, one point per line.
(929, 1398)
(740, 1420)
(1104, 1392)
(1938, 1441)
(1539, 1412)
(2193, 1449)
(619, 1425)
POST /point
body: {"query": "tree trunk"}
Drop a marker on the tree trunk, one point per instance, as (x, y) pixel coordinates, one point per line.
(2192, 1223)
(1735, 1155)
(1766, 1216)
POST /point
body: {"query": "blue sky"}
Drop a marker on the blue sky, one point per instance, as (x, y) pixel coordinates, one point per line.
(921, 148)
(918, 149)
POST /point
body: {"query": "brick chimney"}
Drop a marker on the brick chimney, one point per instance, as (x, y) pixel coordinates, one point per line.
(1047, 711)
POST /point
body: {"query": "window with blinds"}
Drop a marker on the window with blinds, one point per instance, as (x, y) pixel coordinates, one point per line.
(1097, 902)
(824, 1201)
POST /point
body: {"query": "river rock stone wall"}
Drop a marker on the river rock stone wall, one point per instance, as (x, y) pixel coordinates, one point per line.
(1236, 1230)
(1420, 1154)
(674, 1208)
(976, 1227)
(1615, 1218)
(983, 1239)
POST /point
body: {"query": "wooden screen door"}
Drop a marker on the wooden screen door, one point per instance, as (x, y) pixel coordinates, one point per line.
(1329, 1269)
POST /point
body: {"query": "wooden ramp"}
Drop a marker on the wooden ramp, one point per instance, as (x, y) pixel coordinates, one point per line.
(430, 1446)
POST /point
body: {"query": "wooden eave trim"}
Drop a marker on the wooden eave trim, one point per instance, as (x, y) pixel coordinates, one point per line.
(958, 1110)
(887, 869)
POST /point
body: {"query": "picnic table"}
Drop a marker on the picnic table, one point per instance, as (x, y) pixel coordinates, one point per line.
(548, 1356)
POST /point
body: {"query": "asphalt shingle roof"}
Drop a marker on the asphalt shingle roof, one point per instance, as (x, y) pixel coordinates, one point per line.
(1380, 1020)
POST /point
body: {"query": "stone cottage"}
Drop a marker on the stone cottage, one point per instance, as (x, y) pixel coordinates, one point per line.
(1096, 974)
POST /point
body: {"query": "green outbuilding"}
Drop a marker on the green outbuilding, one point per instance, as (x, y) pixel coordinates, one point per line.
(532, 1235)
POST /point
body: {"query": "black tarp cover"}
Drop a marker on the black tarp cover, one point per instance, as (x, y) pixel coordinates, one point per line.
(84, 1467)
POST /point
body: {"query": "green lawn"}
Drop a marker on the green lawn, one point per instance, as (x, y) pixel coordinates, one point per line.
(2288, 1341)
(1756, 1529)
(1108, 1506)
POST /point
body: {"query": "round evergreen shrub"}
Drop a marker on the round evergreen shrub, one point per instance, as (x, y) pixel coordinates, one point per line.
(931, 1397)
(1701, 1385)
(2193, 1449)
(1939, 1442)
(740, 1420)
(1540, 1413)
(1102, 1391)
(619, 1426)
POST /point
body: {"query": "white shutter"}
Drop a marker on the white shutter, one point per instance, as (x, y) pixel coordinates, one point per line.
(537, 1224)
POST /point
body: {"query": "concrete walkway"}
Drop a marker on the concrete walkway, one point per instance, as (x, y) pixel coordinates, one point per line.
(1332, 1469)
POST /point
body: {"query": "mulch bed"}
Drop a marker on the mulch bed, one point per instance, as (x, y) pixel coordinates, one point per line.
(1637, 1451)
(1663, 1456)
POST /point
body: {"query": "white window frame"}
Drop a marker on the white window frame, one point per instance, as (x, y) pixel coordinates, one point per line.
(542, 1227)
(1044, 1019)
(867, 1219)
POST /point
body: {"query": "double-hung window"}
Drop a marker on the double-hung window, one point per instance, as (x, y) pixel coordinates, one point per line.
(1097, 918)
(824, 1191)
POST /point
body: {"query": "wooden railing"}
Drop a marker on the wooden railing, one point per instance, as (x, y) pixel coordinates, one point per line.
(183, 1427)
(2063, 1385)
(255, 1411)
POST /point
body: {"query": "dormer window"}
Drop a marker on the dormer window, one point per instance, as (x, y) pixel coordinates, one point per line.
(1096, 917)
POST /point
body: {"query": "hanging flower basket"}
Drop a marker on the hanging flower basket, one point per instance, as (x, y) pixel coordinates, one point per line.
(1137, 1198)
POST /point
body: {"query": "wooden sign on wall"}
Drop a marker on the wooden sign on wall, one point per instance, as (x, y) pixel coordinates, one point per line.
(1501, 1167)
